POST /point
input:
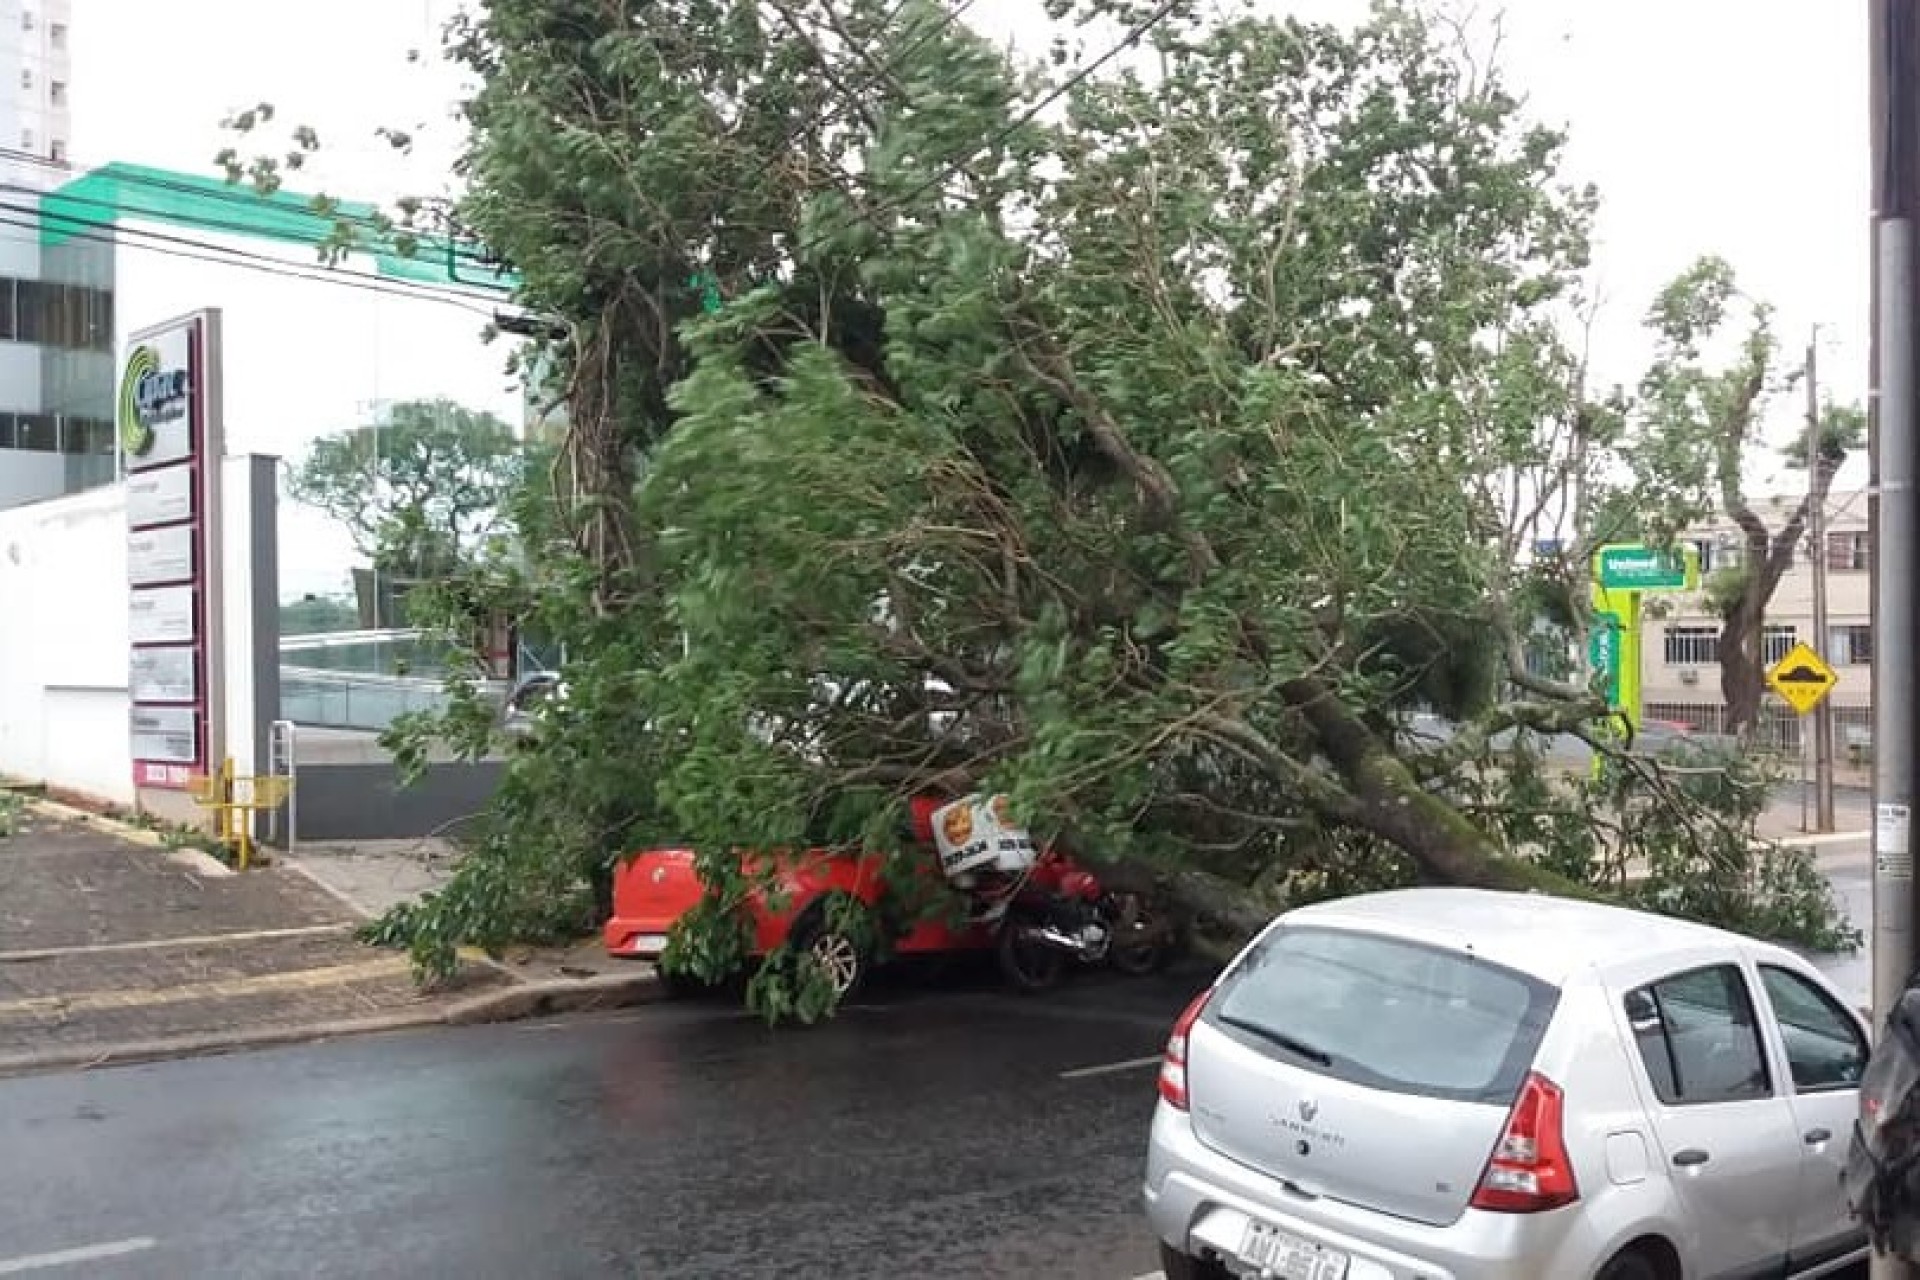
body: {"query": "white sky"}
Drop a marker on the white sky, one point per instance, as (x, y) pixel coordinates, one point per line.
(1730, 126)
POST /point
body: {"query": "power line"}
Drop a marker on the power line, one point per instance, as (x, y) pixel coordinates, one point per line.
(472, 252)
(897, 62)
(120, 237)
(940, 178)
(115, 213)
(228, 193)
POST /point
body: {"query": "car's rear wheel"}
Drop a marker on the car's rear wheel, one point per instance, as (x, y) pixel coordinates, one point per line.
(1634, 1264)
(837, 954)
(1175, 1265)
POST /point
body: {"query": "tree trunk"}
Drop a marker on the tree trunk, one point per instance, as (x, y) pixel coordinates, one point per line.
(1386, 800)
(1742, 676)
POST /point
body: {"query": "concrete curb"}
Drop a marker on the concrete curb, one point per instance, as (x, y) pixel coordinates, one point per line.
(526, 999)
(192, 859)
(533, 999)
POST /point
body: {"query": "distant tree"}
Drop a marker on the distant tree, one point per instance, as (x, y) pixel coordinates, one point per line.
(313, 615)
(421, 491)
(1699, 418)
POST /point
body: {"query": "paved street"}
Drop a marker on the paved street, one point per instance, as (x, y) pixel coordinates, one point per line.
(930, 1133)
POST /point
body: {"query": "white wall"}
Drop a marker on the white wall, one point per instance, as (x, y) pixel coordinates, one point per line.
(63, 640)
(63, 644)
(29, 476)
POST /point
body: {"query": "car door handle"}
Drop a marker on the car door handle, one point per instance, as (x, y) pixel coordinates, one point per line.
(1814, 1137)
(1691, 1156)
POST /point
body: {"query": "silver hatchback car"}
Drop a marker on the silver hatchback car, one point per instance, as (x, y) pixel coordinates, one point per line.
(1457, 1084)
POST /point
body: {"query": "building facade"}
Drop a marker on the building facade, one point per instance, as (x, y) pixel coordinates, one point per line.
(1680, 665)
(50, 324)
(36, 78)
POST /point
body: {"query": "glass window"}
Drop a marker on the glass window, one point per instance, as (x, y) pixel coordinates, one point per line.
(1387, 1013)
(1698, 1038)
(1692, 646)
(1824, 1047)
(9, 434)
(1776, 642)
(39, 432)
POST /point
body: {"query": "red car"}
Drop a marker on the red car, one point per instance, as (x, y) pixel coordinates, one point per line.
(654, 889)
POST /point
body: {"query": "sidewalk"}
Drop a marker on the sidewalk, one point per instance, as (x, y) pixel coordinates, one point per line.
(115, 948)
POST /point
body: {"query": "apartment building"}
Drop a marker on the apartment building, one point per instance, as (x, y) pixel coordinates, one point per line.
(1680, 667)
(56, 330)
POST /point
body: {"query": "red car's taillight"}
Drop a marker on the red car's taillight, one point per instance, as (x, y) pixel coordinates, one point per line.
(1173, 1066)
(1529, 1171)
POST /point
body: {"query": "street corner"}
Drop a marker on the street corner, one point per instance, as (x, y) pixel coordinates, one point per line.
(112, 949)
(97, 1006)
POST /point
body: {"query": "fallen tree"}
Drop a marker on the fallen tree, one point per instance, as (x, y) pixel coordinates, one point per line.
(1149, 446)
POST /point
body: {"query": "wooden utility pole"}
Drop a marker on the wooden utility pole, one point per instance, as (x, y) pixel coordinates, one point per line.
(1817, 534)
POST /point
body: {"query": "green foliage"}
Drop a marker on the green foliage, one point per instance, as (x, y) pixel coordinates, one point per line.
(1149, 459)
(10, 807)
(1704, 860)
(420, 491)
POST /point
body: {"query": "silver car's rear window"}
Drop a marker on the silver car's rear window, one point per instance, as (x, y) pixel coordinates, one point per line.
(1386, 1013)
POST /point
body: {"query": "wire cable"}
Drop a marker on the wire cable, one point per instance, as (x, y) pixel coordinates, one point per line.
(121, 237)
(1026, 118)
(114, 215)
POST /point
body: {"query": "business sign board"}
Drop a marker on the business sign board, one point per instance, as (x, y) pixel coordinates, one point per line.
(167, 418)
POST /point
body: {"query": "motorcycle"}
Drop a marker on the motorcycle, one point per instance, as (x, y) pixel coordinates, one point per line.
(1046, 912)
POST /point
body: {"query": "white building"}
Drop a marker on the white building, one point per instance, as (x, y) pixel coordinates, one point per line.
(36, 77)
(308, 350)
(45, 324)
(1680, 663)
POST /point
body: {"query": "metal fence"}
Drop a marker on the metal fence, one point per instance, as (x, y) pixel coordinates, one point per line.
(1779, 730)
(348, 700)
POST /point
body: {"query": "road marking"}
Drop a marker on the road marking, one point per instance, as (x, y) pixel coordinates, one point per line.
(1109, 1068)
(161, 944)
(220, 989)
(69, 1257)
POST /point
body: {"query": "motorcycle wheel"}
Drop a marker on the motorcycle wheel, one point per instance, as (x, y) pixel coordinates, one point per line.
(1028, 967)
(1142, 959)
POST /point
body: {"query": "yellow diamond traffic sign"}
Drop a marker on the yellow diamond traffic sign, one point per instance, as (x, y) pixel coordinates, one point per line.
(1803, 678)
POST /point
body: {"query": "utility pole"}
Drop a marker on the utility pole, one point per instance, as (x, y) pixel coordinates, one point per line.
(1894, 98)
(1817, 534)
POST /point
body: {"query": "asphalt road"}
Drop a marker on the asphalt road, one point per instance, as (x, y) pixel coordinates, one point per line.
(929, 1133)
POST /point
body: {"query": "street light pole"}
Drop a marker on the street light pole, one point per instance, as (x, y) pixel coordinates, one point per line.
(1817, 534)
(1894, 94)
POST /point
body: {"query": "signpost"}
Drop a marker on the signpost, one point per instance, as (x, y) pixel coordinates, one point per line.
(1802, 679)
(168, 422)
(1623, 572)
(1629, 567)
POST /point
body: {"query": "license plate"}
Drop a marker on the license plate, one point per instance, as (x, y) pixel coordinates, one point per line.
(1287, 1257)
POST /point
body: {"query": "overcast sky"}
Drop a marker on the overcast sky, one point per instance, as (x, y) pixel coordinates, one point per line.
(1728, 126)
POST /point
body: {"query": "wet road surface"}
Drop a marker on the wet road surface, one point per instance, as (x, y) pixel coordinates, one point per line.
(928, 1133)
